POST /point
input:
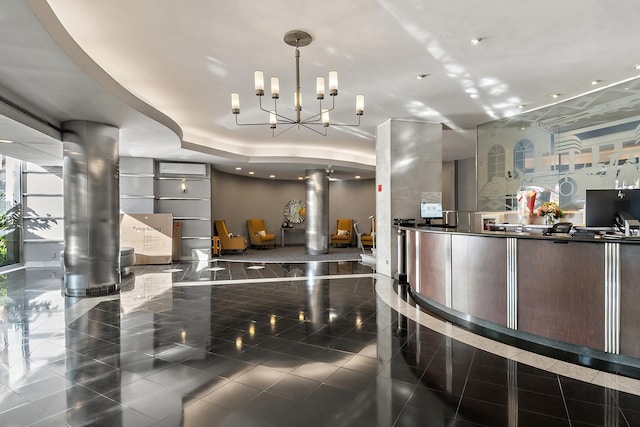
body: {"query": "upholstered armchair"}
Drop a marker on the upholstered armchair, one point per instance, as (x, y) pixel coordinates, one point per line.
(235, 243)
(344, 232)
(258, 234)
(369, 239)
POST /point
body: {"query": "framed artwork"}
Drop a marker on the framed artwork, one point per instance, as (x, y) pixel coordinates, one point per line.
(294, 211)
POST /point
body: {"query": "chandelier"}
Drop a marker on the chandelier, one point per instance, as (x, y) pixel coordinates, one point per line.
(317, 122)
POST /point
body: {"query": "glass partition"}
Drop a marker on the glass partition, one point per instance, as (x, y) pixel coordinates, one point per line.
(10, 211)
(588, 142)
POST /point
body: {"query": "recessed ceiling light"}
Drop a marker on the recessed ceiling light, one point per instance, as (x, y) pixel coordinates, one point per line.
(238, 168)
(357, 176)
(272, 176)
(251, 172)
(476, 40)
(636, 67)
(5, 141)
(422, 76)
(521, 106)
(555, 95)
(595, 82)
(301, 178)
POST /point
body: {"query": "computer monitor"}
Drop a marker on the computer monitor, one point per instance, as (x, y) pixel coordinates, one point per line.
(430, 210)
(601, 206)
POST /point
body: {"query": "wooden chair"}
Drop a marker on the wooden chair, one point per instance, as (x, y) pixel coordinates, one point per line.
(258, 234)
(344, 232)
(235, 243)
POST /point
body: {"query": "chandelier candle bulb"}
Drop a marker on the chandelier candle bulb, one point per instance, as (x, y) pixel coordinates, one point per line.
(259, 81)
(297, 101)
(325, 117)
(235, 103)
(275, 87)
(333, 83)
(320, 88)
(359, 105)
(273, 119)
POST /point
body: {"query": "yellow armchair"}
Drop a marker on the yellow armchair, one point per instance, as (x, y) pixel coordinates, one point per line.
(369, 239)
(344, 232)
(235, 243)
(258, 234)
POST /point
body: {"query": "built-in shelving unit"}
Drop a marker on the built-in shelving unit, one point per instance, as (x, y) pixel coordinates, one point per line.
(181, 189)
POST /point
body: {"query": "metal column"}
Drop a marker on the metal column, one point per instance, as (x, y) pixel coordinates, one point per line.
(402, 258)
(317, 206)
(91, 207)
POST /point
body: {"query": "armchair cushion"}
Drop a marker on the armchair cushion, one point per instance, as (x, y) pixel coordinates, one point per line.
(343, 235)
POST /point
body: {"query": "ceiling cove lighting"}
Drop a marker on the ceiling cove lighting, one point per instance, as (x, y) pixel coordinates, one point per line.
(320, 119)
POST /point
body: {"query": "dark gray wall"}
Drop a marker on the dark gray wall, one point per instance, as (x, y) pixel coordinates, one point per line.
(235, 199)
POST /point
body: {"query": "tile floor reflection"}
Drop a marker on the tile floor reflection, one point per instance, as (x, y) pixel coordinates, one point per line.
(315, 344)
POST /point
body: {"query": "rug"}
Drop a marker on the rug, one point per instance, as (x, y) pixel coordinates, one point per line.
(292, 253)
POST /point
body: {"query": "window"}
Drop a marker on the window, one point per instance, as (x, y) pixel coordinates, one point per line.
(523, 157)
(495, 162)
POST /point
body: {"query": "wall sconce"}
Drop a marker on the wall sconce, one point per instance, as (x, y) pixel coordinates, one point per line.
(183, 186)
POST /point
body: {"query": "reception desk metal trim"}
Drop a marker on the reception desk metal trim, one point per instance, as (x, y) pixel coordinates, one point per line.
(512, 283)
(612, 298)
(581, 294)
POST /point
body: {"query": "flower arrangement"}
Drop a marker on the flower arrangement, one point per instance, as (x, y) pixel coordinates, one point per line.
(550, 209)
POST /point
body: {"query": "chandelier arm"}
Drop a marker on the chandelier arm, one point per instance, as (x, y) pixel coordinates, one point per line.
(286, 120)
(347, 124)
(249, 124)
(264, 109)
(306, 125)
(318, 117)
(273, 134)
(333, 103)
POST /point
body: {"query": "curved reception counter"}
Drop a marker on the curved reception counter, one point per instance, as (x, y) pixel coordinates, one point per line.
(577, 296)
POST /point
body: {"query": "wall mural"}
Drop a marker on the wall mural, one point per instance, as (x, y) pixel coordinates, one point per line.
(589, 142)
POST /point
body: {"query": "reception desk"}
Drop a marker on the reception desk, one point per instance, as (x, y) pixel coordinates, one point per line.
(579, 295)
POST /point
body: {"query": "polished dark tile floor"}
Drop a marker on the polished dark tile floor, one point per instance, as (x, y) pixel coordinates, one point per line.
(287, 345)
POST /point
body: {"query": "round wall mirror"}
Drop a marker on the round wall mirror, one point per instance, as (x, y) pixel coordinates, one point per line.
(294, 211)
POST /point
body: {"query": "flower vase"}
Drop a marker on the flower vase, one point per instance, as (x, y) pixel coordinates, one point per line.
(549, 219)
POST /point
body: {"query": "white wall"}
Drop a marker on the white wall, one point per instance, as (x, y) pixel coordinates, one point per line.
(408, 165)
